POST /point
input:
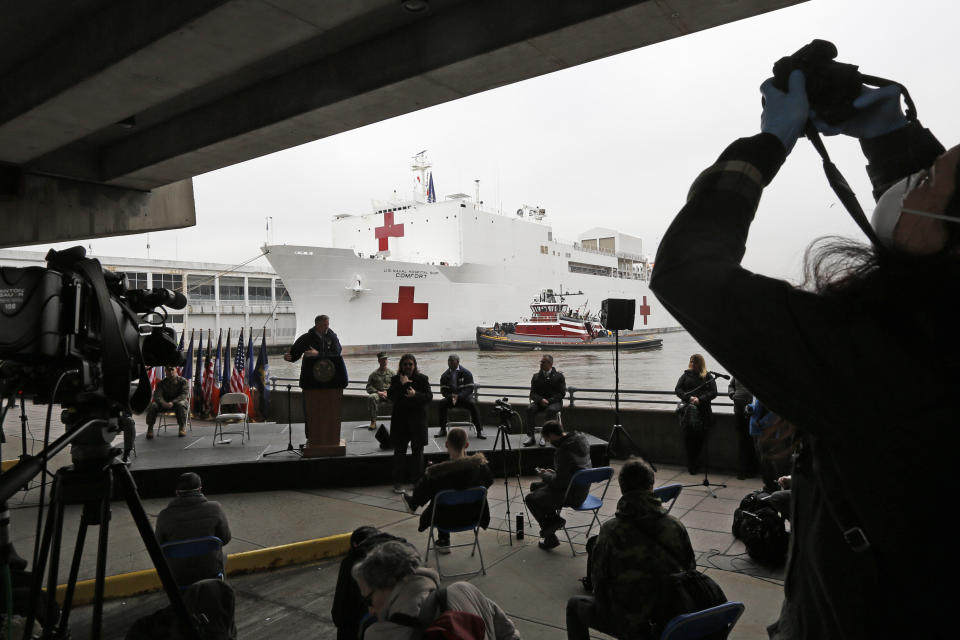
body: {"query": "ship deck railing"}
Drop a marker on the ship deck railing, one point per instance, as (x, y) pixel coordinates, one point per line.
(574, 394)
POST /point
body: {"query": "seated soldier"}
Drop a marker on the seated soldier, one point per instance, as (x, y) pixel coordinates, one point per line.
(378, 383)
(170, 395)
(459, 472)
(635, 551)
(547, 388)
(456, 387)
(572, 454)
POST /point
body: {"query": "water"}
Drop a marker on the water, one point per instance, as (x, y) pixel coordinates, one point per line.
(652, 370)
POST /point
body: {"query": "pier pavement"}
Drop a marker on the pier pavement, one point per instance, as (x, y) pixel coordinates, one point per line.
(291, 603)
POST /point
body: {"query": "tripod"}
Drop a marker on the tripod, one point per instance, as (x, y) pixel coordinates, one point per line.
(618, 431)
(712, 377)
(503, 440)
(289, 448)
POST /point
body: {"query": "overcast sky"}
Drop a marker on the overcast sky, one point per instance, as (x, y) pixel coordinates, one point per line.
(612, 143)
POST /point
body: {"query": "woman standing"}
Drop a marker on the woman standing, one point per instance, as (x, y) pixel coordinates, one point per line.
(697, 389)
(410, 394)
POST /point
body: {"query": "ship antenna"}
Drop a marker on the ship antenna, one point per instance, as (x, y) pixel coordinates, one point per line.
(421, 164)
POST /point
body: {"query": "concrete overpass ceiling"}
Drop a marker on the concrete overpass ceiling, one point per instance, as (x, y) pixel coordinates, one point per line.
(203, 84)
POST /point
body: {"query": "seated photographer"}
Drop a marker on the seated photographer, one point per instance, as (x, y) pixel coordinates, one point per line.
(170, 395)
(635, 551)
(456, 389)
(861, 352)
(459, 472)
(547, 388)
(546, 496)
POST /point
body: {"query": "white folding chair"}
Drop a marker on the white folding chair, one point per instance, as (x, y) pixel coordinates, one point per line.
(232, 418)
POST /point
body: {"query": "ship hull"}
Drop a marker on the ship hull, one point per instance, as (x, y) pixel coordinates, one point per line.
(514, 342)
(376, 304)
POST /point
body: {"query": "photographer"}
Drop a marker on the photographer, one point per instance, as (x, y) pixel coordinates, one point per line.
(861, 354)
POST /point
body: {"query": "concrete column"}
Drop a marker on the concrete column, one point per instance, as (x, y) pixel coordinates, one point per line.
(216, 303)
(246, 300)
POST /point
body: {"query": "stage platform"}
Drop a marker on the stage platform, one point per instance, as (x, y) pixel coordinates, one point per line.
(236, 467)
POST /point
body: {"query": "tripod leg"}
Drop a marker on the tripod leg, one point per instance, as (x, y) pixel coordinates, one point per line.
(74, 572)
(41, 559)
(129, 489)
(54, 563)
(101, 560)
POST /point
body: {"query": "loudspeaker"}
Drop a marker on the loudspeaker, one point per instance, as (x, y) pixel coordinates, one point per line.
(617, 313)
(383, 437)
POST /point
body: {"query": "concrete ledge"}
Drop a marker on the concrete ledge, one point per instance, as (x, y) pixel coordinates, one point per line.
(126, 585)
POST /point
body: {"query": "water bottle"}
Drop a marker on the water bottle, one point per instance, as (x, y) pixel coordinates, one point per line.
(520, 526)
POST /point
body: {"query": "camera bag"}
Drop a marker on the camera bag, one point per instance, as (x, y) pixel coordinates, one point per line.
(762, 529)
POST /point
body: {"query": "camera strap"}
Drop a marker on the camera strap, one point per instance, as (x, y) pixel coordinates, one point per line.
(837, 182)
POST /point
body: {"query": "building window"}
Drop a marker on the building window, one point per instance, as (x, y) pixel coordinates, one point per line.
(136, 279)
(175, 318)
(282, 294)
(172, 281)
(544, 250)
(258, 289)
(200, 288)
(231, 288)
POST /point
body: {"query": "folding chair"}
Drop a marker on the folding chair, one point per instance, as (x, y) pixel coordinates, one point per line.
(591, 502)
(450, 498)
(192, 548)
(232, 418)
(165, 416)
(703, 624)
(668, 493)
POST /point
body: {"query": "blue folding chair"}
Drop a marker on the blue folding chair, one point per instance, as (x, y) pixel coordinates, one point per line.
(701, 624)
(450, 498)
(591, 502)
(668, 493)
(191, 549)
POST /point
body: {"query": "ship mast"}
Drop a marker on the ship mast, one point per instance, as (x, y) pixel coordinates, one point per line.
(420, 165)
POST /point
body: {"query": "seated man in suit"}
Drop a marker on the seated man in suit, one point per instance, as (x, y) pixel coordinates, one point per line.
(456, 387)
(459, 472)
(547, 388)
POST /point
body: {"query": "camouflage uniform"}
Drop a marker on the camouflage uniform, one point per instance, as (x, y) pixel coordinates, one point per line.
(175, 390)
(635, 551)
(378, 381)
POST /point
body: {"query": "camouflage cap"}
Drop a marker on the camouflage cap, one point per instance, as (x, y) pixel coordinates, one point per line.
(382, 355)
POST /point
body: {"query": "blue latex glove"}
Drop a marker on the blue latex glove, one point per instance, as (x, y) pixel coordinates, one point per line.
(785, 114)
(879, 113)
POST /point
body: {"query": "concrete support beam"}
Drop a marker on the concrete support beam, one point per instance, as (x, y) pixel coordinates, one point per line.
(44, 209)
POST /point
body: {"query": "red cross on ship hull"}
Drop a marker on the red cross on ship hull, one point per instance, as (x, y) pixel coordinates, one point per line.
(387, 231)
(644, 310)
(404, 311)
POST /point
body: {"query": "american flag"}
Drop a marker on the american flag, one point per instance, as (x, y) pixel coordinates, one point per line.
(155, 375)
(209, 381)
(238, 379)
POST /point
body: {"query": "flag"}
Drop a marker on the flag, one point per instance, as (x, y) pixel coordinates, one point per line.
(187, 369)
(225, 374)
(180, 351)
(154, 375)
(262, 376)
(431, 193)
(250, 362)
(197, 399)
(209, 380)
(214, 406)
(238, 379)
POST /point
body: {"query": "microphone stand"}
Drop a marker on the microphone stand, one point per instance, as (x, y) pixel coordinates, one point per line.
(712, 377)
(289, 448)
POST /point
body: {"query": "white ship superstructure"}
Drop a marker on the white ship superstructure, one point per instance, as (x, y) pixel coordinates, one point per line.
(418, 274)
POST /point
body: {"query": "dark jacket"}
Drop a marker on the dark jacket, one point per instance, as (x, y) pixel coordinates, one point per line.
(551, 386)
(635, 551)
(464, 384)
(465, 473)
(348, 607)
(193, 516)
(687, 386)
(572, 453)
(173, 390)
(409, 418)
(806, 355)
(328, 345)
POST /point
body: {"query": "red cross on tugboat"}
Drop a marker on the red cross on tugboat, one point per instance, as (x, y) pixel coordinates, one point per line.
(554, 325)
(404, 311)
(387, 231)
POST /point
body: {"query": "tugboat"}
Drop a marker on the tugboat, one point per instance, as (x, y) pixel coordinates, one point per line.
(553, 325)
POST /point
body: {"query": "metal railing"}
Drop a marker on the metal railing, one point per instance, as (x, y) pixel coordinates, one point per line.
(572, 397)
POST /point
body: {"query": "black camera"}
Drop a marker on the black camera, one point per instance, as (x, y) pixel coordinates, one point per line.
(75, 323)
(502, 405)
(831, 86)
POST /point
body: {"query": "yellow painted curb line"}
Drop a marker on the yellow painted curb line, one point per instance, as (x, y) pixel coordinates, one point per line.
(7, 464)
(125, 585)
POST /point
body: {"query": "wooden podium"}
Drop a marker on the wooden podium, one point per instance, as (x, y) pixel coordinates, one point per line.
(322, 409)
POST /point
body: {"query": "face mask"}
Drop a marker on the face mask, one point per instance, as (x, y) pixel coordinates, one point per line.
(889, 207)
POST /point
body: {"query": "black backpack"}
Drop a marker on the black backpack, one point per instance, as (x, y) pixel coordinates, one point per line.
(685, 592)
(762, 530)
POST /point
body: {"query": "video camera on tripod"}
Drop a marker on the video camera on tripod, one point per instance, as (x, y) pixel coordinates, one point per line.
(502, 406)
(73, 333)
